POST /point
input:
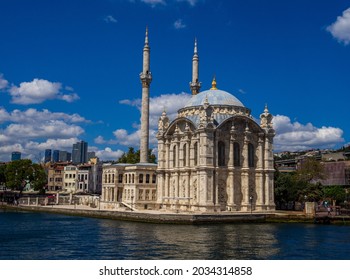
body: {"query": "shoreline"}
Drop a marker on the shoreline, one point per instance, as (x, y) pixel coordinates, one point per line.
(159, 217)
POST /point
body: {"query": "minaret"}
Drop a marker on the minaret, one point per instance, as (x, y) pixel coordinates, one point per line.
(146, 79)
(195, 85)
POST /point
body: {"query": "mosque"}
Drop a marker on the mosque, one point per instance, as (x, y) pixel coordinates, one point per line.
(212, 157)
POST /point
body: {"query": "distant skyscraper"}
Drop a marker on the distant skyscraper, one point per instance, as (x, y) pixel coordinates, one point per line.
(55, 156)
(65, 156)
(79, 152)
(15, 156)
(48, 154)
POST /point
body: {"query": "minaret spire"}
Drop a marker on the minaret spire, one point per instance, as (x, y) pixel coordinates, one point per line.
(146, 36)
(146, 79)
(195, 85)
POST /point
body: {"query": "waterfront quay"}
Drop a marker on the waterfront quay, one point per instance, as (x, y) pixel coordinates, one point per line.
(152, 216)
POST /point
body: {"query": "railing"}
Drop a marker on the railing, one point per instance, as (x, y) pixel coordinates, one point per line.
(45, 200)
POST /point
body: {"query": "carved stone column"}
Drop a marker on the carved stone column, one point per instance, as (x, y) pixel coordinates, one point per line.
(245, 172)
(260, 183)
(231, 188)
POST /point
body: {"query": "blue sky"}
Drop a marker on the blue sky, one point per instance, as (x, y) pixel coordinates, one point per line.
(69, 69)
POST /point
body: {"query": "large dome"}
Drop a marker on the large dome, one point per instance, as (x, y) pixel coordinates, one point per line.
(214, 97)
(224, 106)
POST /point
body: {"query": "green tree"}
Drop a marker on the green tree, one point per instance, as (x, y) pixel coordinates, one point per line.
(134, 157)
(308, 175)
(289, 189)
(2, 174)
(336, 193)
(311, 170)
(309, 191)
(284, 188)
(19, 173)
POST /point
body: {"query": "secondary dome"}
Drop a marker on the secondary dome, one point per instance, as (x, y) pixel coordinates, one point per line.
(214, 97)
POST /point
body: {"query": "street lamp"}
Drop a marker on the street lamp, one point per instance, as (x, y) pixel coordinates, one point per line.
(251, 204)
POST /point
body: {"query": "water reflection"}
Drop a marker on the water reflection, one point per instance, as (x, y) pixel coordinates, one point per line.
(148, 241)
(48, 236)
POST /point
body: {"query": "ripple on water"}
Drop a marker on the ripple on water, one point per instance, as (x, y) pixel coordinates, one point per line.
(25, 235)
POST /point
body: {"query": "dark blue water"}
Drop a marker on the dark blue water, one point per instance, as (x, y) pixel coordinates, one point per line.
(26, 235)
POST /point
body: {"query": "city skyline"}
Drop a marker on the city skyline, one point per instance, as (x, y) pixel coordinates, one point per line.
(69, 70)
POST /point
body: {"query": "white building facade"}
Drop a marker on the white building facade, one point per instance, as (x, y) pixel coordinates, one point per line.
(215, 157)
(129, 185)
(70, 179)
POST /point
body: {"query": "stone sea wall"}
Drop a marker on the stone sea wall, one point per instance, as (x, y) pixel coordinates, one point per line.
(169, 218)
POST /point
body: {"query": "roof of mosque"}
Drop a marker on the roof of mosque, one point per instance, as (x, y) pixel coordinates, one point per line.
(214, 96)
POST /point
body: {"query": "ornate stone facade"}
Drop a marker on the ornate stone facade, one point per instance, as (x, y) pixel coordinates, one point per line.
(215, 157)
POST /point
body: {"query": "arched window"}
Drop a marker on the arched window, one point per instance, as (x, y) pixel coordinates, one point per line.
(113, 178)
(141, 178)
(105, 178)
(184, 147)
(195, 150)
(174, 156)
(109, 178)
(147, 178)
(221, 153)
(133, 178)
(236, 154)
(251, 155)
(154, 178)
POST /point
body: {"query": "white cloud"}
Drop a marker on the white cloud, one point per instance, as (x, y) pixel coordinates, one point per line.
(6, 150)
(34, 92)
(340, 29)
(69, 97)
(110, 19)
(34, 116)
(99, 140)
(38, 91)
(57, 144)
(35, 150)
(171, 103)
(47, 129)
(294, 136)
(191, 2)
(135, 102)
(108, 154)
(124, 138)
(241, 91)
(178, 24)
(154, 3)
(3, 83)
(32, 131)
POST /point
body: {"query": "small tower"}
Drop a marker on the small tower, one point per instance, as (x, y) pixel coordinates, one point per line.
(266, 119)
(195, 85)
(146, 79)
